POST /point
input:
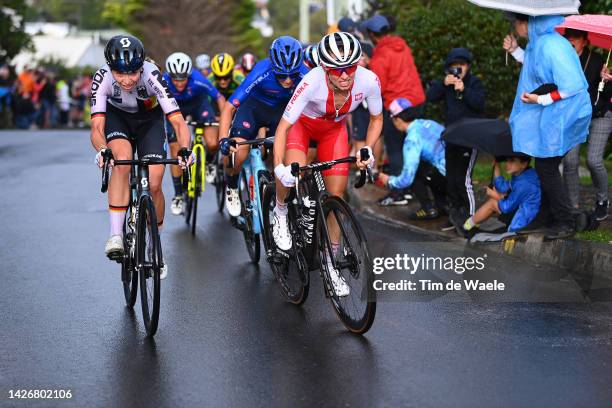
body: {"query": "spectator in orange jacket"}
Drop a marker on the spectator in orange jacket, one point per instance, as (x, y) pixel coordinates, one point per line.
(393, 63)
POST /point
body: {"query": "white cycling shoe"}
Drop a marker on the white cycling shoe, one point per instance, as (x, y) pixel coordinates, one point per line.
(163, 271)
(177, 206)
(341, 288)
(232, 202)
(114, 246)
(280, 232)
(211, 173)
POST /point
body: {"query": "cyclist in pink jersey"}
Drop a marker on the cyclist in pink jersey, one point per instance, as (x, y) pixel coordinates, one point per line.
(317, 110)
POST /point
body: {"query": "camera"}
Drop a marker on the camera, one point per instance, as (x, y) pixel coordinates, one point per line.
(455, 71)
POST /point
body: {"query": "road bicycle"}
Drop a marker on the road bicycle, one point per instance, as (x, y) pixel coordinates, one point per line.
(253, 177)
(312, 210)
(196, 184)
(142, 251)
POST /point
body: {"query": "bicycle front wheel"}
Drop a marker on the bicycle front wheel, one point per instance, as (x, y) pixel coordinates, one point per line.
(220, 183)
(251, 240)
(290, 268)
(129, 277)
(354, 264)
(149, 263)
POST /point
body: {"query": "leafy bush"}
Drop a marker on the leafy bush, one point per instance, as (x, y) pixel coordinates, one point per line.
(433, 28)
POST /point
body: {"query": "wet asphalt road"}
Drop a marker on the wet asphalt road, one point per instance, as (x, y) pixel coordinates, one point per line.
(227, 338)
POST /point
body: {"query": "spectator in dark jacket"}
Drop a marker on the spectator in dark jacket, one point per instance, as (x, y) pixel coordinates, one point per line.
(394, 65)
(600, 128)
(464, 97)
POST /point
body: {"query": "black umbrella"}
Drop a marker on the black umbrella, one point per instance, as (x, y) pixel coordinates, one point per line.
(487, 135)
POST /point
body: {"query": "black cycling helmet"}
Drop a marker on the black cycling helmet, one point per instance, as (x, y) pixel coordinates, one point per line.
(124, 53)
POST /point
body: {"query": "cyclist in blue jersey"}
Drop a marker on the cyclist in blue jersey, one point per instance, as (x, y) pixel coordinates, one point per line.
(191, 90)
(259, 102)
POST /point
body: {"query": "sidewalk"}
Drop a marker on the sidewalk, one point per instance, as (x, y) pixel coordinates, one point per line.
(585, 258)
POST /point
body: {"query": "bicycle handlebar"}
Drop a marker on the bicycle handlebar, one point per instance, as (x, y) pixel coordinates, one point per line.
(364, 175)
(147, 161)
(253, 143)
(202, 124)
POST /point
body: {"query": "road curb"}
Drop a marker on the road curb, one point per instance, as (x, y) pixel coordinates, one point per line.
(584, 258)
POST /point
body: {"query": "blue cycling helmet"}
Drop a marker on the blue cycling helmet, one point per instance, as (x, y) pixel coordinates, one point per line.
(286, 55)
(124, 53)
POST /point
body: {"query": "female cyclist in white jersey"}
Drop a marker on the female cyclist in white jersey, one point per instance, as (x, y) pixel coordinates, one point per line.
(317, 111)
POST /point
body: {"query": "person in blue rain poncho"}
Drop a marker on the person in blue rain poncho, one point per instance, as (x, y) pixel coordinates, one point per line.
(548, 125)
(424, 163)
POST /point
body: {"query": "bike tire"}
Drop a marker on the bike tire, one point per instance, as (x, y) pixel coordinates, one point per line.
(198, 188)
(129, 277)
(194, 214)
(220, 184)
(251, 240)
(358, 309)
(290, 269)
(149, 261)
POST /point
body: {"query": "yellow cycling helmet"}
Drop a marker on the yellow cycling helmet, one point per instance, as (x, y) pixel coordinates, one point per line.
(222, 64)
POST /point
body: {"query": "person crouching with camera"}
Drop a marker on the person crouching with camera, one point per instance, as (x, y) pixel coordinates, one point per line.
(463, 95)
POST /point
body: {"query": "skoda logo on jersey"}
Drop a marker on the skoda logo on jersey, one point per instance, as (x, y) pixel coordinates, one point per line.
(142, 92)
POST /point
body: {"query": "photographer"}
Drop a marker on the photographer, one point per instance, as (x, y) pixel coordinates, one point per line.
(464, 97)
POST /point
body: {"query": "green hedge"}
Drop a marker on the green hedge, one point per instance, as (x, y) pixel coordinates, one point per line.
(433, 28)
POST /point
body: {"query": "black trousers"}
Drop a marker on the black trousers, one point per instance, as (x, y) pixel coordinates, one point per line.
(459, 166)
(394, 144)
(556, 206)
(428, 178)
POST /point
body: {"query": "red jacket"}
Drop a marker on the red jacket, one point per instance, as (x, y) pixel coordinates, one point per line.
(393, 63)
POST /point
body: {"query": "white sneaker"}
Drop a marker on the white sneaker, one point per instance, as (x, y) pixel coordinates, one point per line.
(163, 270)
(114, 246)
(340, 286)
(211, 172)
(232, 201)
(280, 232)
(177, 205)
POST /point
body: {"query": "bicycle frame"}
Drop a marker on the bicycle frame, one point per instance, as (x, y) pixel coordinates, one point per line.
(200, 153)
(252, 167)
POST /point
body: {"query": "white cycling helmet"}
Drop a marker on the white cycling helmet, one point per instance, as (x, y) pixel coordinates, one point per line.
(178, 65)
(339, 50)
(203, 61)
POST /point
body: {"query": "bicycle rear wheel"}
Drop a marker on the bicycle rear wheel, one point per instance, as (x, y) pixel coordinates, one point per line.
(290, 268)
(149, 263)
(251, 239)
(129, 277)
(357, 310)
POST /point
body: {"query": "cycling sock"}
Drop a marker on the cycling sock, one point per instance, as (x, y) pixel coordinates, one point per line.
(469, 224)
(232, 181)
(178, 185)
(117, 218)
(280, 209)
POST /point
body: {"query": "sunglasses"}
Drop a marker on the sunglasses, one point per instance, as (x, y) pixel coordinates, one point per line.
(282, 77)
(339, 71)
(224, 78)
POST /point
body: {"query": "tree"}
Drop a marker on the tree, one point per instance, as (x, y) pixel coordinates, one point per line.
(191, 26)
(84, 14)
(13, 37)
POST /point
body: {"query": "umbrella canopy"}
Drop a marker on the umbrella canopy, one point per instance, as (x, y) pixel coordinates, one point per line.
(599, 28)
(532, 7)
(488, 135)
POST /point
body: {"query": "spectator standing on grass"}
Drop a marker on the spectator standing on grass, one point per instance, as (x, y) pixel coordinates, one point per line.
(463, 95)
(393, 63)
(601, 126)
(548, 126)
(63, 98)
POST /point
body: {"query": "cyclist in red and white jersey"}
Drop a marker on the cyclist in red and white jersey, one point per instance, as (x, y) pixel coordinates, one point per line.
(317, 111)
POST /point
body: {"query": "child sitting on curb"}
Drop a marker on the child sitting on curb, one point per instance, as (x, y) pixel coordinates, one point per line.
(517, 199)
(424, 163)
